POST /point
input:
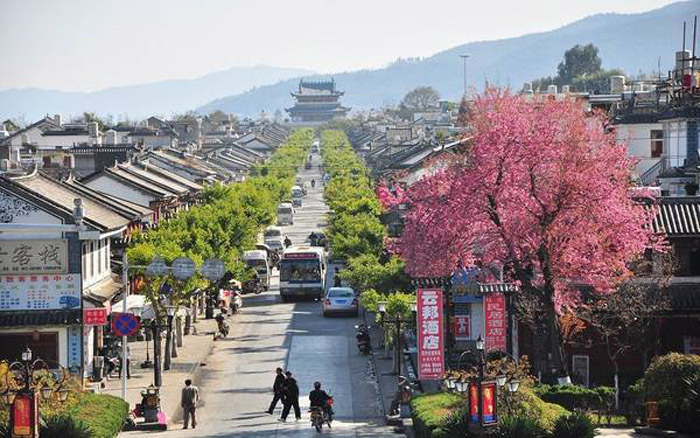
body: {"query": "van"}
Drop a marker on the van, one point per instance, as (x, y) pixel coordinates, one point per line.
(257, 259)
(285, 214)
(272, 232)
(297, 194)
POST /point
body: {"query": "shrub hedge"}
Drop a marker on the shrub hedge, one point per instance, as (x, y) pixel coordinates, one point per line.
(573, 397)
(103, 414)
(430, 411)
(666, 382)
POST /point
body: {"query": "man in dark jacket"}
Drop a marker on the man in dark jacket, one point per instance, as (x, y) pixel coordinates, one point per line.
(277, 389)
(318, 398)
(290, 397)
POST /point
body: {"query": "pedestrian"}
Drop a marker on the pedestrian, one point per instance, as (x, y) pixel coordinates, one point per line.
(290, 399)
(188, 402)
(337, 282)
(120, 352)
(277, 389)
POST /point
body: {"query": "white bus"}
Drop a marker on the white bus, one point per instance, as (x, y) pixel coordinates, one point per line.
(302, 272)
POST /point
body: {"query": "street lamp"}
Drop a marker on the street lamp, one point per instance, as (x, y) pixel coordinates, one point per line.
(381, 307)
(480, 344)
(24, 380)
(168, 337)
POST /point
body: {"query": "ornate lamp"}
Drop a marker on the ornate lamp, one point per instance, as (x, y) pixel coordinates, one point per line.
(381, 307)
(462, 386)
(27, 355)
(513, 386)
(63, 394)
(501, 381)
(480, 343)
(46, 392)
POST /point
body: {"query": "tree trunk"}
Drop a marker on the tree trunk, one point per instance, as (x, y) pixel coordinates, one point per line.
(558, 357)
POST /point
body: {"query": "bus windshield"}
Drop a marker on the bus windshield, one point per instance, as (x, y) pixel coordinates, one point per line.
(300, 270)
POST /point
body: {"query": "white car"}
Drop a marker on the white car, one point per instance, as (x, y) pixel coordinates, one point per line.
(275, 243)
(340, 300)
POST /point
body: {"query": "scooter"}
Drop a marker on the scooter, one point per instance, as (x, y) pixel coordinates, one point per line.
(222, 326)
(320, 416)
(364, 343)
(236, 301)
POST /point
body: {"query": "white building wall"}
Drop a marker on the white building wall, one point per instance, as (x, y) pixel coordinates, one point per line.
(675, 141)
(638, 140)
(63, 141)
(93, 265)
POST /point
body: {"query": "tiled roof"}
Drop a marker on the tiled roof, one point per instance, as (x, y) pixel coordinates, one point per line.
(140, 182)
(678, 216)
(26, 318)
(685, 296)
(152, 177)
(62, 195)
(172, 176)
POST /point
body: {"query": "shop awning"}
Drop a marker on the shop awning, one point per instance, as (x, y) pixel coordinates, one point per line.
(29, 318)
(103, 291)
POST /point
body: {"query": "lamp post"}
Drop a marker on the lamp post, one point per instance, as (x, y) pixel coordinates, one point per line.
(397, 324)
(157, 374)
(25, 384)
(168, 337)
(464, 61)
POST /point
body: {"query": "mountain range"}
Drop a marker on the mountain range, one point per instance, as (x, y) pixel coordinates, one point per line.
(139, 101)
(632, 42)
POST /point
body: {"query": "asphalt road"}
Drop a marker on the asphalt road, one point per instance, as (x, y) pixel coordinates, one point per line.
(237, 379)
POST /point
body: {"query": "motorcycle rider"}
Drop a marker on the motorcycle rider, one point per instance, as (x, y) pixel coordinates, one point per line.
(313, 183)
(287, 242)
(221, 324)
(318, 398)
(363, 339)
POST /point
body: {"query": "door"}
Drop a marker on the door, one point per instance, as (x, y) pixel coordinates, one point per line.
(580, 368)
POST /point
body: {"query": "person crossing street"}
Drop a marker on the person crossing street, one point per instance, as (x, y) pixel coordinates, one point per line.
(277, 388)
(290, 397)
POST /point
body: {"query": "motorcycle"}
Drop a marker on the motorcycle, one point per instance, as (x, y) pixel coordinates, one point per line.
(364, 344)
(254, 285)
(222, 327)
(236, 301)
(320, 416)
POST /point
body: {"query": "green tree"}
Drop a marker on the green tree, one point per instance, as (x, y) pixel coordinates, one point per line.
(418, 99)
(579, 60)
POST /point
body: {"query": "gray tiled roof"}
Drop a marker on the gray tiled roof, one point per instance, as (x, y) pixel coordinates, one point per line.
(678, 216)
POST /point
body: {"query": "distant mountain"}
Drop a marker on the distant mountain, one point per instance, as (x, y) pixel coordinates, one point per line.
(165, 97)
(632, 42)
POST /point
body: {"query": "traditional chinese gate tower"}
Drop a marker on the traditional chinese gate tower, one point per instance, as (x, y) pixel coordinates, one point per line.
(317, 102)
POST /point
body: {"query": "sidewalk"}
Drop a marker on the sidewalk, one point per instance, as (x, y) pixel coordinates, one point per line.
(387, 381)
(191, 356)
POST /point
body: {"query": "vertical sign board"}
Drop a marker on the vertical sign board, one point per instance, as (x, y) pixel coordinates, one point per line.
(462, 327)
(474, 402)
(74, 348)
(24, 416)
(495, 321)
(488, 404)
(431, 354)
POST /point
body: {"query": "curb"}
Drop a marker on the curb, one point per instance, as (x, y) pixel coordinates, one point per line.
(195, 374)
(380, 393)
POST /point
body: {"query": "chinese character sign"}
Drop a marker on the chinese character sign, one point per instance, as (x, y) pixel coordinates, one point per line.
(95, 316)
(33, 256)
(40, 292)
(495, 321)
(431, 360)
(462, 327)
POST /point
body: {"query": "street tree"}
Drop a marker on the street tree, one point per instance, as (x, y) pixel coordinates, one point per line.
(542, 189)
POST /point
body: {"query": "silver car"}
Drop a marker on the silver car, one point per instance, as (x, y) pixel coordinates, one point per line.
(340, 300)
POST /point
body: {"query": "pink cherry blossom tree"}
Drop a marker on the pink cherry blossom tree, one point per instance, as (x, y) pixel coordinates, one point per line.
(543, 188)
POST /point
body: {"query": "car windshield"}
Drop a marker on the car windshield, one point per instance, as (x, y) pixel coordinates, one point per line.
(300, 270)
(340, 293)
(286, 210)
(273, 233)
(256, 263)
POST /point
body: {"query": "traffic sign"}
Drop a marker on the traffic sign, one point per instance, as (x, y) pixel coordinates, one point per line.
(183, 268)
(213, 269)
(157, 267)
(125, 324)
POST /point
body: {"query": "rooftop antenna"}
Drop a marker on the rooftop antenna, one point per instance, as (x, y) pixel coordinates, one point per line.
(695, 30)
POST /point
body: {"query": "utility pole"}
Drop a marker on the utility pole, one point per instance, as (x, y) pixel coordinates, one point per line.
(464, 61)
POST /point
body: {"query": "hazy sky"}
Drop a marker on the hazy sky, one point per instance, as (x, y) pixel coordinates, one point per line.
(85, 45)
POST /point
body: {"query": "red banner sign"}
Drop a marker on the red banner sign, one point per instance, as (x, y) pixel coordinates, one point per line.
(23, 415)
(495, 321)
(474, 402)
(431, 356)
(462, 327)
(488, 404)
(96, 316)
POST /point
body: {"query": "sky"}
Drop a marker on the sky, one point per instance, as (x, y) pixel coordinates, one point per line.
(85, 45)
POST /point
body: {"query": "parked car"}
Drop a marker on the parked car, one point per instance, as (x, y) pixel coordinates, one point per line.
(340, 300)
(275, 243)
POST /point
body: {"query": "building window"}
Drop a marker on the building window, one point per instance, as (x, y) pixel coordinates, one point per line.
(43, 345)
(657, 142)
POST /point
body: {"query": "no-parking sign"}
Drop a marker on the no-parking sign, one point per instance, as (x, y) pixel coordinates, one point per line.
(125, 324)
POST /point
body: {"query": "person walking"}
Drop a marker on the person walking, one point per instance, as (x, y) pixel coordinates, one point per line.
(290, 397)
(188, 402)
(337, 282)
(277, 388)
(121, 360)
